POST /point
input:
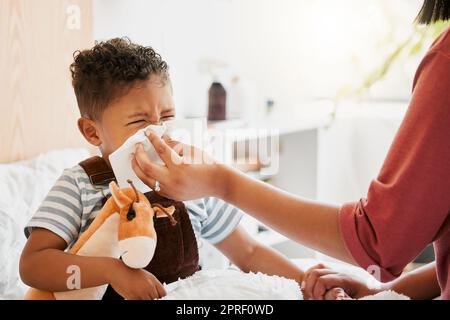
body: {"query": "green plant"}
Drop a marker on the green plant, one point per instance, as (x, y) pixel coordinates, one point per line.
(413, 45)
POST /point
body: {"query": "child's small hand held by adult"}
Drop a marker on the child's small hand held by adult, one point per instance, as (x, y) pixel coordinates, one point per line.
(322, 283)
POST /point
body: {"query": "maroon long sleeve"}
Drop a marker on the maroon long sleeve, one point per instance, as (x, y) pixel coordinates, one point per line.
(408, 205)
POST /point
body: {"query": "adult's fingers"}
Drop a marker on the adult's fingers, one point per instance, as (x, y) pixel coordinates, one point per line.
(177, 146)
(141, 174)
(308, 272)
(319, 290)
(327, 282)
(311, 281)
(317, 266)
(147, 168)
(167, 154)
(337, 294)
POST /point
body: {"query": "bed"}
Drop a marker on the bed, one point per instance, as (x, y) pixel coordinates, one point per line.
(38, 133)
(23, 186)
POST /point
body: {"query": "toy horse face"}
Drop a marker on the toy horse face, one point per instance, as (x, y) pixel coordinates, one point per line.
(136, 233)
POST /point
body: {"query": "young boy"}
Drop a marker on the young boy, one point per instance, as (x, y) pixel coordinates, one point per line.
(122, 87)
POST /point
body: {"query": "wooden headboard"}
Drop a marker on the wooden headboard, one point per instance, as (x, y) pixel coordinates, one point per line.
(38, 109)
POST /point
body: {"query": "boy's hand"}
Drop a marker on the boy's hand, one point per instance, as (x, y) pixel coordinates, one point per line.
(135, 284)
(322, 283)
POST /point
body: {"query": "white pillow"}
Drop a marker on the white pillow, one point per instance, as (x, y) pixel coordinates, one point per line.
(23, 186)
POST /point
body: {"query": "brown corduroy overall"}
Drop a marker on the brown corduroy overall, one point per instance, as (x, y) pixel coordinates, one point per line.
(176, 253)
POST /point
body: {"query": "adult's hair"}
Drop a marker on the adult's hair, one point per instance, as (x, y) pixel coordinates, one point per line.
(433, 11)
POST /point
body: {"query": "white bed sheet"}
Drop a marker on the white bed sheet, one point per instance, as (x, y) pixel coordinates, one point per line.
(23, 186)
(232, 284)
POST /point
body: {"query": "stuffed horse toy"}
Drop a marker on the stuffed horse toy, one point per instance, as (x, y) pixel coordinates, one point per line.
(123, 228)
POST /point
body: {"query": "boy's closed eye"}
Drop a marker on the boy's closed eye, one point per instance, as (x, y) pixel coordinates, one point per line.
(137, 121)
(166, 116)
(141, 121)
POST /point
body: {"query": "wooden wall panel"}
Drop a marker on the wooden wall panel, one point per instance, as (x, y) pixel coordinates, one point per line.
(38, 110)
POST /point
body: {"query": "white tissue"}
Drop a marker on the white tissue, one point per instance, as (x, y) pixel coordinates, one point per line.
(121, 158)
(190, 131)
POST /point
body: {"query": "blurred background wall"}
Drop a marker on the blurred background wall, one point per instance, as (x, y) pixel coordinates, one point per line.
(291, 51)
(38, 110)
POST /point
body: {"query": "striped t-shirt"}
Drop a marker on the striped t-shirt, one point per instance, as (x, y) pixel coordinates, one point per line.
(73, 203)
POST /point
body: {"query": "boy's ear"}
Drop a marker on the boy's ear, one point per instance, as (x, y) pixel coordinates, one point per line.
(89, 130)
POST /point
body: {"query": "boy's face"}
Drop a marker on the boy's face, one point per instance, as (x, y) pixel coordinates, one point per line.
(148, 102)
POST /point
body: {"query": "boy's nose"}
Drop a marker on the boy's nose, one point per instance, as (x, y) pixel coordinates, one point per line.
(137, 252)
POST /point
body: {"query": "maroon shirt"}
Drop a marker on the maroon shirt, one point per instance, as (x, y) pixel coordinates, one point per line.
(408, 205)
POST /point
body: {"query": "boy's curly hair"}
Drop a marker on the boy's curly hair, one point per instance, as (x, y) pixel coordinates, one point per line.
(109, 69)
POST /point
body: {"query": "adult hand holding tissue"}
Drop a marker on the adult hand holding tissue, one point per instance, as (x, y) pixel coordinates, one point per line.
(189, 131)
(121, 158)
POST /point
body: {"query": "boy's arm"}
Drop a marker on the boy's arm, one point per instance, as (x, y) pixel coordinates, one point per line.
(251, 256)
(44, 265)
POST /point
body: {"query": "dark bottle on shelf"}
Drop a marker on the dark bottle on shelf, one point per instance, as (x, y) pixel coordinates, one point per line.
(217, 102)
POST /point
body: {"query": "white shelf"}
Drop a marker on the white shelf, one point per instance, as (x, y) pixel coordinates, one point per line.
(274, 124)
